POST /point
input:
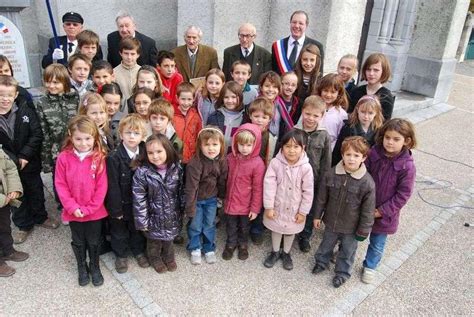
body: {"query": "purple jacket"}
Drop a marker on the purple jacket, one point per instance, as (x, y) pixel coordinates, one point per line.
(394, 182)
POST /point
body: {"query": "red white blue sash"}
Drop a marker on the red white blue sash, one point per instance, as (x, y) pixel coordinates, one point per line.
(282, 61)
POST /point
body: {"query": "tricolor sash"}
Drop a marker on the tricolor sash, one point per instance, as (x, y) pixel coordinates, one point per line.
(282, 61)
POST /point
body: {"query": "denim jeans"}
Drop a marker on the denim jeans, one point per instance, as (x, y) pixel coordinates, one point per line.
(345, 256)
(375, 250)
(203, 225)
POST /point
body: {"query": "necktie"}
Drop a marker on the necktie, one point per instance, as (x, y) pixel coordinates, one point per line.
(193, 63)
(246, 50)
(293, 54)
(70, 47)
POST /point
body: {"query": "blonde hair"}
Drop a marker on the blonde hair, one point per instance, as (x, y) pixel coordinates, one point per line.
(244, 137)
(368, 102)
(314, 102)
(92, 98)
(85, 125)
(134, 122)
(210, 132)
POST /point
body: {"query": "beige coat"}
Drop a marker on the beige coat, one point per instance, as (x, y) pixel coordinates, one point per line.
(9, 178)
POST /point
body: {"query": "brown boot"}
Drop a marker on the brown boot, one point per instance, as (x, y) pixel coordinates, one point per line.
(154, 249)
(6, 270)
(16, 256)
(121, 265)
(142, 261)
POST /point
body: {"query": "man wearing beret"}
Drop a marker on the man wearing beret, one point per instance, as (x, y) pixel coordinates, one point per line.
(72, 25)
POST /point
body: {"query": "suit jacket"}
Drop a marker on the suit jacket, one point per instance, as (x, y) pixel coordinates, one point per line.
(307, 41)
(148, 55)
(262, 62)
(48, 58)
(206, 59)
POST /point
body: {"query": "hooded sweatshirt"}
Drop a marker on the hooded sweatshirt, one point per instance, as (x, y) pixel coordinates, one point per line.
(245, 178)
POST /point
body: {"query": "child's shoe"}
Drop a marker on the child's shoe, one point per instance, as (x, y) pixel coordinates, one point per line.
(368, 275)
(318, 268)
(196, 257)
(210, 257)
(172, 266)
(257, 238)
(271, 259)
(304, 245)
(20, 236)
(6, 270)
(287, 261)
(159, 266)
(49, 223)
(228, 253)
(243, 253)
(16, 256)
(121, 265)
(338, 281)
(142, 261)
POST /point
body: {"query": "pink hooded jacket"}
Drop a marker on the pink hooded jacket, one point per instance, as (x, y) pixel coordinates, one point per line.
(245, 178)
(288, 189)
(80, 185)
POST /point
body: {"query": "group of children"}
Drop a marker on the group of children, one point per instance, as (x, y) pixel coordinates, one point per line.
(264, 156)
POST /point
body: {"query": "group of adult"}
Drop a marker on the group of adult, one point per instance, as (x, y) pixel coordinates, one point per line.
(194, 59)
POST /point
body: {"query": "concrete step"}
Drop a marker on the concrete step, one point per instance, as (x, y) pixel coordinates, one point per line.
(427, 113)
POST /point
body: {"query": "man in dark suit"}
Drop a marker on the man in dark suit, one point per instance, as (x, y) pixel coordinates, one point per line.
(72, 24)
(258, 58)
(285, 52)
(193, 59)
(127, 28)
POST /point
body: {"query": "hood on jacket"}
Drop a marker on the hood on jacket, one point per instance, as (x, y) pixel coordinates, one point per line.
(303, 159)
(257, 133)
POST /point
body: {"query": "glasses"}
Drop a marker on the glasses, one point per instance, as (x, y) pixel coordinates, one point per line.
(249, 36)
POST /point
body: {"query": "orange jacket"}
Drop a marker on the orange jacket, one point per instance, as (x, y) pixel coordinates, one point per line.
(187, 128)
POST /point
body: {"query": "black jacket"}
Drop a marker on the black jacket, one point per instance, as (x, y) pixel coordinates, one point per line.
(27, 139)
(119, 201)
(48, 58)
(261, 63)
(387, 100)
(148, 54)
(347, 131)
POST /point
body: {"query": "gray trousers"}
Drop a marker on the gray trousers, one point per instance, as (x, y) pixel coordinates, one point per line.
(345, 256)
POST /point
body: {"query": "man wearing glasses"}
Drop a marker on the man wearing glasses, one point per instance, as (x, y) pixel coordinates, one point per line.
(258, 58)
(72, 25)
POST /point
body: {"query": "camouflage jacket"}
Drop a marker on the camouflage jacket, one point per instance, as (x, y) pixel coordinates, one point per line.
(55, 111)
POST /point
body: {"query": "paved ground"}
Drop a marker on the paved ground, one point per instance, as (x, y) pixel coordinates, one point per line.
(427, 267)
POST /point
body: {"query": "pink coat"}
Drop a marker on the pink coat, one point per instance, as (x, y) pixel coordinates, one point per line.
(288, 189)
(245, 178)
(80, 185)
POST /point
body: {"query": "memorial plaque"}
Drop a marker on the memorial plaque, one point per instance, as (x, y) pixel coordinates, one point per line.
(13, 47)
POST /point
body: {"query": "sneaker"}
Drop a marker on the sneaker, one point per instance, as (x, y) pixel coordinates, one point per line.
(271, 259)
(20, 236)
(368, 275)
(304, 245)
(287, 261)
(318, 268)
(243, 253)
(16, 256)
(210, 257)
(121, 265)
(178, 240)
(196, 257)
(6, 270)
(49, 223)
(142, 261)
(228, 253)
(257, 238)
(338, 281)
(172, 266)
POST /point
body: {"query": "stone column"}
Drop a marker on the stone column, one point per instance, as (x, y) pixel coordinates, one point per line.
(390, 33)
(431, 59)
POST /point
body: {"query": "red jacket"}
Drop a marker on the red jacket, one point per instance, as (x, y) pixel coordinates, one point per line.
(170, 87)
(187, 128)
(245, 178)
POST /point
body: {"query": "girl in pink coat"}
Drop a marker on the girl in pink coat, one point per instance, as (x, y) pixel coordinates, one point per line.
(244, 188)
(81, 183)
(288, 194)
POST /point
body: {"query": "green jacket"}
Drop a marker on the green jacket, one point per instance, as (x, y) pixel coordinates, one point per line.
(55, 111)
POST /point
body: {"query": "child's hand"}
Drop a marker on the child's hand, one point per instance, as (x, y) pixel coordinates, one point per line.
(377, 214)
(219, 203)
(300, 218)
(317, 223)
(23, 163)
(270, 213)
(78, 213)
(13, 195)
(252, 216)
(119, 218)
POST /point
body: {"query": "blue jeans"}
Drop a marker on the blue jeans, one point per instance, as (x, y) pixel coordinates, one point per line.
(203, 225)
(375, 250)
